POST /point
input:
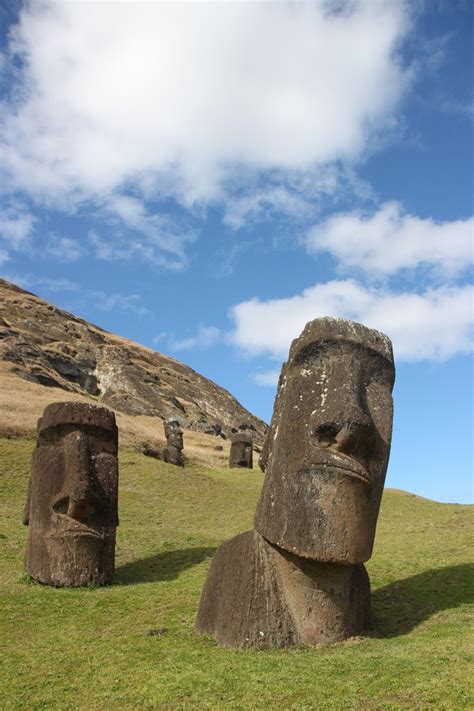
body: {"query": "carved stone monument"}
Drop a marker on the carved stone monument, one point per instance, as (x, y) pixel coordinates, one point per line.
(173, 453)
(298, 577)
(241, 454)
(71, 508)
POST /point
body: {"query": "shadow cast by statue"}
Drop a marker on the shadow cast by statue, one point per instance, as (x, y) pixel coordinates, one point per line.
(162, 566)
(401, 606)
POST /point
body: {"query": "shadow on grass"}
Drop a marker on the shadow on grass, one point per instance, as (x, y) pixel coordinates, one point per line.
(401, 606)
(162, 566)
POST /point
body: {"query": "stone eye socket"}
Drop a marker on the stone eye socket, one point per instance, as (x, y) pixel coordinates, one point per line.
(61, 505)
(325, 435)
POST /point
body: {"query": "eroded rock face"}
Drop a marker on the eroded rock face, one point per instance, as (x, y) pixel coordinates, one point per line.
(173, 453)
(51, 347)
(241, 454)
(298, 577)
(71, 508)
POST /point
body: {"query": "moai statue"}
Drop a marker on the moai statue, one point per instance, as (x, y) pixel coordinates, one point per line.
(241, 448)
(298, 577)
(173, 453)
(71, 507)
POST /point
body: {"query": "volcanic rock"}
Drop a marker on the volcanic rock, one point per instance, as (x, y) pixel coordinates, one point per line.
(54, 348)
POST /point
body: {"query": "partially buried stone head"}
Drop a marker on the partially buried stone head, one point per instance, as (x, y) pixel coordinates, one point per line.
(298, 577)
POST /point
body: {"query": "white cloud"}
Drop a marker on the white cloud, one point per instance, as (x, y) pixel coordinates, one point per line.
(267, 378)
(4, 256)
(257, 203)
(16, 226)
(30, 281)
(206, 337)
(64, 248)
(160, 337)
(298, 195)
(436, 324)
(56, 285)
(100, 300)
(390, 240)
(157, 234)
(120, 246)
(124, 302)
(171, 98)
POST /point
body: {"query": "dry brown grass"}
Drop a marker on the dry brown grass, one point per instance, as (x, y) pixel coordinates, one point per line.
(22, 403)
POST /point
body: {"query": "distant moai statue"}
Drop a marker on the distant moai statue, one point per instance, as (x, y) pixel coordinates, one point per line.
(241, 448)
(71, 508)
(173, 453)
(298, 577)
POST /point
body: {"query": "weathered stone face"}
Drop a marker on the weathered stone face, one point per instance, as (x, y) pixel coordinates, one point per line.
(328, 445)
(71, 509)
(241, 454)
(173, 453)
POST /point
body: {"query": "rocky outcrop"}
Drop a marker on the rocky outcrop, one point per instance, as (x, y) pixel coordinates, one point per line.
(54, 348)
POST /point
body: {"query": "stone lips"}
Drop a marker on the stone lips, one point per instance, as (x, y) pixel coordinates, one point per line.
(328, 443)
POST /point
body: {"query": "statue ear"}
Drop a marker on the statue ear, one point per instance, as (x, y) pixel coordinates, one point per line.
(26, 510)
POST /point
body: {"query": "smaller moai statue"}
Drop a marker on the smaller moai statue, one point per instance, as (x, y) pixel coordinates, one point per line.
(241, 448)
(173, 453)
(71, 506)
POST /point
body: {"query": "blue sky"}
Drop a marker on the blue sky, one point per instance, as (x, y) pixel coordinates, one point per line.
(205, 178)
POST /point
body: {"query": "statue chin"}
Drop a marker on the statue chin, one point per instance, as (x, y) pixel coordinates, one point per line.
(335, 520)
(80, 559)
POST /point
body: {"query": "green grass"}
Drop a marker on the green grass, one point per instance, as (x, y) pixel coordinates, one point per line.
(91, 649)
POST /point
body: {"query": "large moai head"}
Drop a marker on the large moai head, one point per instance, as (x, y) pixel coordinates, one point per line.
(329, 442)
(71, 508)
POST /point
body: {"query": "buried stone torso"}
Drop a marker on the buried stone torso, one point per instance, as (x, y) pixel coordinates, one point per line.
(257, 595)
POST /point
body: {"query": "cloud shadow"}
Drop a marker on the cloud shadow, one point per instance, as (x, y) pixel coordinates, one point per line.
(162, 566)
(399, 607)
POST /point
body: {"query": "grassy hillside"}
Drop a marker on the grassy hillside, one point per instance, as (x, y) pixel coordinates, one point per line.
(92, 649)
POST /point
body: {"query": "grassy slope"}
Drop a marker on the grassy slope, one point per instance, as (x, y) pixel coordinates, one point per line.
(88, 649)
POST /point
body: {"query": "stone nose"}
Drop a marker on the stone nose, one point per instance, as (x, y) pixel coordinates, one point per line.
(80, 496)
(351, 433)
